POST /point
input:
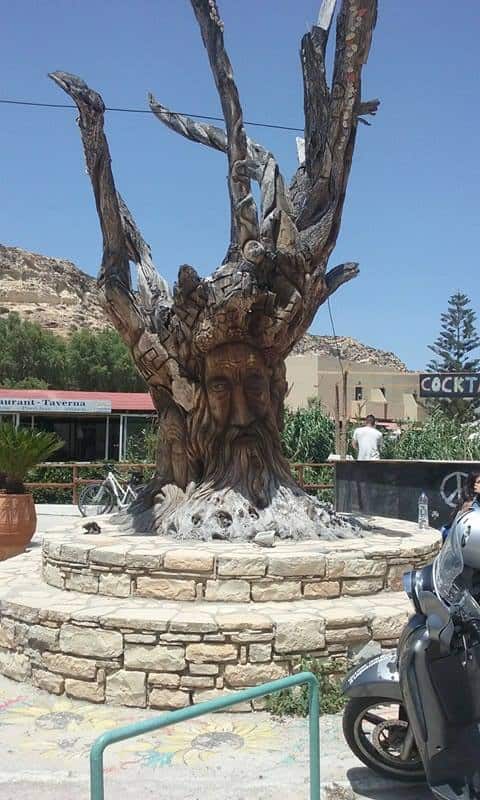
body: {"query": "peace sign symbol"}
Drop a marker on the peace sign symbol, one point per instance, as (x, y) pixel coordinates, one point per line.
(451, 488)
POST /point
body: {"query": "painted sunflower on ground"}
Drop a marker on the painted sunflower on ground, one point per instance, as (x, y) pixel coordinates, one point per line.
(201, 741)
(59, 724)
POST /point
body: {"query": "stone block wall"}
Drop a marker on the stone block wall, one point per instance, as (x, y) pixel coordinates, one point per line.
(171, 663)
(153, 623)
(197, 574)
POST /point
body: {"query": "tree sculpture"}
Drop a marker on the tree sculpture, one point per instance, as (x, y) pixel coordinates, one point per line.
(213, 350)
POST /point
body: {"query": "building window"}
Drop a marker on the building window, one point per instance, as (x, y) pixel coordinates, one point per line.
(83, 437)
(383, 391)
(358, 393)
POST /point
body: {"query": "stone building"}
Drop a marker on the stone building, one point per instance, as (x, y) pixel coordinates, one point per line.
(388, 394)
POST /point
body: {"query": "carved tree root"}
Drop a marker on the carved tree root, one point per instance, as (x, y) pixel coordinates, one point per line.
(200, 514)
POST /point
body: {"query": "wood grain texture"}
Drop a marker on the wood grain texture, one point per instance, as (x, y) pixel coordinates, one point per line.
(213, 350)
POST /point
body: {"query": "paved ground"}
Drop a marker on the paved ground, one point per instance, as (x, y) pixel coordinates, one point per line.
(54, 517)
(45, 742)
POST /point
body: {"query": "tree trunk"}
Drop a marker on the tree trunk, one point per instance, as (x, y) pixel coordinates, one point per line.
(213, 351)
(239, 483)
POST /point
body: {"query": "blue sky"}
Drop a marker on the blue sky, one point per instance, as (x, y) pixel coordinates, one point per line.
(411, 217)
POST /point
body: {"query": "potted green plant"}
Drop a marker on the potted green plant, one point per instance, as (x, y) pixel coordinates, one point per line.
(21, 449)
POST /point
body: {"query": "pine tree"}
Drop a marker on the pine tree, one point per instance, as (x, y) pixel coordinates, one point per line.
(454, 348)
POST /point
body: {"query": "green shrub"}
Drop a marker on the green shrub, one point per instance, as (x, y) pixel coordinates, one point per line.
(439, 437)
(60, 475)
(142, 445)
(294, 702)
(53, 474)
(20, 450)
(31, 358)
(100, 361)
(308, 434)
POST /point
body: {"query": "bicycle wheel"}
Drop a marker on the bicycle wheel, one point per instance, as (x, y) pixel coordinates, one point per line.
(95, 499)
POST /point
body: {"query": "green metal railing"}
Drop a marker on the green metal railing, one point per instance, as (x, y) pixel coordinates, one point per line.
(97, 791)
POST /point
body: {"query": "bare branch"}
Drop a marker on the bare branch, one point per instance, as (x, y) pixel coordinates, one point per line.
(201, 132)
(354, 32)
(244, 213)
(122, 241)
(153, 289)
(368, 107)
(260, 163)
(339, 275)
(316, 99)
(324, 197)
(114, 278)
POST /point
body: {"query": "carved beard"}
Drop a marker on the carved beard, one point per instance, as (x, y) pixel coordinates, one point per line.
(248, 460)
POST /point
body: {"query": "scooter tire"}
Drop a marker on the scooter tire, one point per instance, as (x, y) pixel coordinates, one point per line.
(353, 714)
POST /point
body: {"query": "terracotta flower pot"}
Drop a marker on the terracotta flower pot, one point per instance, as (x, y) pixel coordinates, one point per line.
(18, 519)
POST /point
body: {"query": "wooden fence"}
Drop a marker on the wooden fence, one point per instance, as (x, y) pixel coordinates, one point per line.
(77, 481)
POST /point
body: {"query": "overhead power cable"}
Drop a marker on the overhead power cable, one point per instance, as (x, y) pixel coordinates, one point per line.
(148, 111)
(337, 347)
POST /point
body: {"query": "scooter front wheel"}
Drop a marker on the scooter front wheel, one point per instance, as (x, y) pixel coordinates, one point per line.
(378, 733)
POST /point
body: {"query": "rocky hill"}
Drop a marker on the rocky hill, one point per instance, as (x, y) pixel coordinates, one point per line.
(62, 298)
(50, 291)
(350, 350)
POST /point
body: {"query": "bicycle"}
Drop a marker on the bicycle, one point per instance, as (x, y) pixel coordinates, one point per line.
(103, 497)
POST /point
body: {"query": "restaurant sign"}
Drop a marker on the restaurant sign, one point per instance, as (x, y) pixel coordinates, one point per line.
(42, 405)
(450, 384)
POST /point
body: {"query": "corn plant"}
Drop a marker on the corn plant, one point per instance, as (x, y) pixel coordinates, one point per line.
(308, 434)
(440, 437)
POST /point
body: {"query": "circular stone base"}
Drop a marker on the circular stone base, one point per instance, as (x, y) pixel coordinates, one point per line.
(162, 654)
(118, 565)
(112, 618)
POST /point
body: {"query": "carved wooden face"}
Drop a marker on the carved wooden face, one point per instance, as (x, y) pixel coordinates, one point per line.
(237, 383)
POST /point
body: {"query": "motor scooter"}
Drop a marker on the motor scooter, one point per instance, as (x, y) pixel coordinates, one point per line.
(414, 714)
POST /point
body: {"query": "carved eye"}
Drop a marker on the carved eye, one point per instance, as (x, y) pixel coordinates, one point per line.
(218, 386)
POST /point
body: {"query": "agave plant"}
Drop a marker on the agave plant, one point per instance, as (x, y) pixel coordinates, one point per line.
(21, 449)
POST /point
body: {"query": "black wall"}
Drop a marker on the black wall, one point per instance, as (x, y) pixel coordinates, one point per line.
(392, 488)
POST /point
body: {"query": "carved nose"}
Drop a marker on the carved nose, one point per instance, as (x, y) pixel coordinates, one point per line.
(241, 414)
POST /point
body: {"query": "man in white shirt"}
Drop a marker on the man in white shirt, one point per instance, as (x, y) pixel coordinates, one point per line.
(367, 440)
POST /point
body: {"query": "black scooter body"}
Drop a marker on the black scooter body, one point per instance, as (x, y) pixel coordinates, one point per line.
(377, 677)
(441, 697)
